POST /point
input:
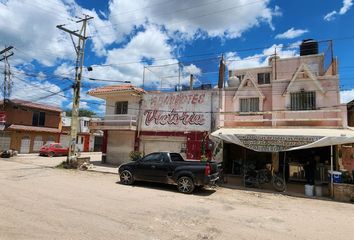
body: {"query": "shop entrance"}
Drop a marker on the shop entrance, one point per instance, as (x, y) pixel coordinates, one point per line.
(297, 168)
(237, 159)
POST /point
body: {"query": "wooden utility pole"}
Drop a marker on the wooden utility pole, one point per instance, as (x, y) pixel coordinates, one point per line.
(79, 49)
(6, 91)
(7, 79)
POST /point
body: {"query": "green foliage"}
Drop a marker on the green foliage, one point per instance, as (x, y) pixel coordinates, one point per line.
(135, 155)
(82, 113)
(204, 158)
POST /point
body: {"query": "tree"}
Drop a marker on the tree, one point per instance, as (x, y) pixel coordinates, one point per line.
(82, 113)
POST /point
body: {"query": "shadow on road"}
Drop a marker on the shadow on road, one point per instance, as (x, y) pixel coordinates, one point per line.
(171, 188)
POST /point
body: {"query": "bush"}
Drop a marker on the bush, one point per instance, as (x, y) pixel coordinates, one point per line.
(135, 155)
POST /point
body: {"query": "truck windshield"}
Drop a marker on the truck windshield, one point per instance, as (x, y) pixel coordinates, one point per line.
(176, 157)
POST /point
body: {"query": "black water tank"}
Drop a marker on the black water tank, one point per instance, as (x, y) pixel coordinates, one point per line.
(308, 47)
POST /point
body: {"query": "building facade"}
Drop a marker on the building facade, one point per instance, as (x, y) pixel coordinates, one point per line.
(28, 126)
(286, 115)
(156, 121)
(87, 140)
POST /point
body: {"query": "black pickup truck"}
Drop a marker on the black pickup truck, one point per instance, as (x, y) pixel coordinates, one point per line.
(170, 168)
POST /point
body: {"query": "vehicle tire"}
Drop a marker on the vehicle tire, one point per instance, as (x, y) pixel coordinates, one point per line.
(126, 177)
(279, 184)
(51, 154)
(185, 184)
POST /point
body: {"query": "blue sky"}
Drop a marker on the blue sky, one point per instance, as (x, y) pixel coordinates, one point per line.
(126, 36)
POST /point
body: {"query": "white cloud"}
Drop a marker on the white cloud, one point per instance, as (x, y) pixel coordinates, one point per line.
(347, 4)
(192, 69)
(346, 96)
(124, 64)
(38, 91)
(330, 16)
(185, 19)
(30, 26)
(234, 61)
(291, 33)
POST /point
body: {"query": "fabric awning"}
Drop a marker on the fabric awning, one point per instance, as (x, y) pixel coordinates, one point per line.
(284, 139)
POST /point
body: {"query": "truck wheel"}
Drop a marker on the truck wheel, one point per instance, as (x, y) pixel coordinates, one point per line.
(126, 177)
(185, 184)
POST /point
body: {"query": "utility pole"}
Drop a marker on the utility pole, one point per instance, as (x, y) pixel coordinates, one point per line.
(6, 90)
(7, 80)
(79, 49)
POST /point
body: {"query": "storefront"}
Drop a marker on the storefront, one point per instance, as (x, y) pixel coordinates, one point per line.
(299, 156)
(179, 122)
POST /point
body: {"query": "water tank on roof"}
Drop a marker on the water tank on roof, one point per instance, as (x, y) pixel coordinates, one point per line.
(308, 47)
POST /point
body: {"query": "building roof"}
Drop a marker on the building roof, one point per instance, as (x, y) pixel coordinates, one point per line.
(33, 128)
(115, 89)
(34, 105)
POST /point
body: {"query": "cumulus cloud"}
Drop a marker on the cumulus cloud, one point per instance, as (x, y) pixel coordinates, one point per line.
(39, 91)
(234, 61)
(346, 96)
(38, 38)
(126, 63)
(347, 4)
(291, 33)
(186, 19)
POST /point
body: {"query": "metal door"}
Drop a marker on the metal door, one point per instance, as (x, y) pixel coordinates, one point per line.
(37, 144)
(25, 145)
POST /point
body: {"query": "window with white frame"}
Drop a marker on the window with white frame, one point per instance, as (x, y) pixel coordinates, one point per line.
(263, 78)
(303, 100)
(122, 107)
(249, 105)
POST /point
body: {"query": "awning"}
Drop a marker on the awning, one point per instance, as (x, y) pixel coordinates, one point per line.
(284, 139)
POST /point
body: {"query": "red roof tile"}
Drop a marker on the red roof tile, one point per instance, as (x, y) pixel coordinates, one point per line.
(33, 128)
(34, 105)
(115, 88)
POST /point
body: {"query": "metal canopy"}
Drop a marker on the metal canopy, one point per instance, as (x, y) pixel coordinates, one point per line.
(284, 139)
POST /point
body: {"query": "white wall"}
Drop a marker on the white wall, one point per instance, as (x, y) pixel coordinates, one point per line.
(119, 145)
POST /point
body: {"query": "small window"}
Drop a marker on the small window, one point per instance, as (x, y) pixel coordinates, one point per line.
(263, 78)
(153, 157)
(86, 123)
(303, 101)
(249, 105)
(121, 107)
(38, 119)
(175, 157)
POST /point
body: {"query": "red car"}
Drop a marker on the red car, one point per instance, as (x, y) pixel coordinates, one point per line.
(53, 149)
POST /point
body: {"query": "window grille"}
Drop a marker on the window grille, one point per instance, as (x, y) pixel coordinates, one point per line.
(121, 107)
(303, 101)
(263, 78)
(249, 105)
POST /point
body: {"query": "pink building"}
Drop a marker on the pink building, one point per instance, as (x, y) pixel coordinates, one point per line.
(287, 115)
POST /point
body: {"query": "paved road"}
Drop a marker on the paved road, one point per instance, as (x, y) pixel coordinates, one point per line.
(39, 202)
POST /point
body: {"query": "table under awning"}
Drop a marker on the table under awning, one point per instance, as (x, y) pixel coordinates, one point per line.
(284, 139)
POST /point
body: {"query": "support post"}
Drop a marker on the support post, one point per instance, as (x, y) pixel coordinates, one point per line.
(331, 175)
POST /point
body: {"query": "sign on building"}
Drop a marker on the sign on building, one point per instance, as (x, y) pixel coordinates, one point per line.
(274, 143)
(179, 111)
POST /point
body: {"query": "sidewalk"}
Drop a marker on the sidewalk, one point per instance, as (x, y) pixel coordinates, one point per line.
(35, 159)
(103, 168)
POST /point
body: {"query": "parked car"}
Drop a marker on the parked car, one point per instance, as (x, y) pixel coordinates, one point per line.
(170, 168)
(53, 149)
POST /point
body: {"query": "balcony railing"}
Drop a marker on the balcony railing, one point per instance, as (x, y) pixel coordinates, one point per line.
(323, 117)
(115, 122)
